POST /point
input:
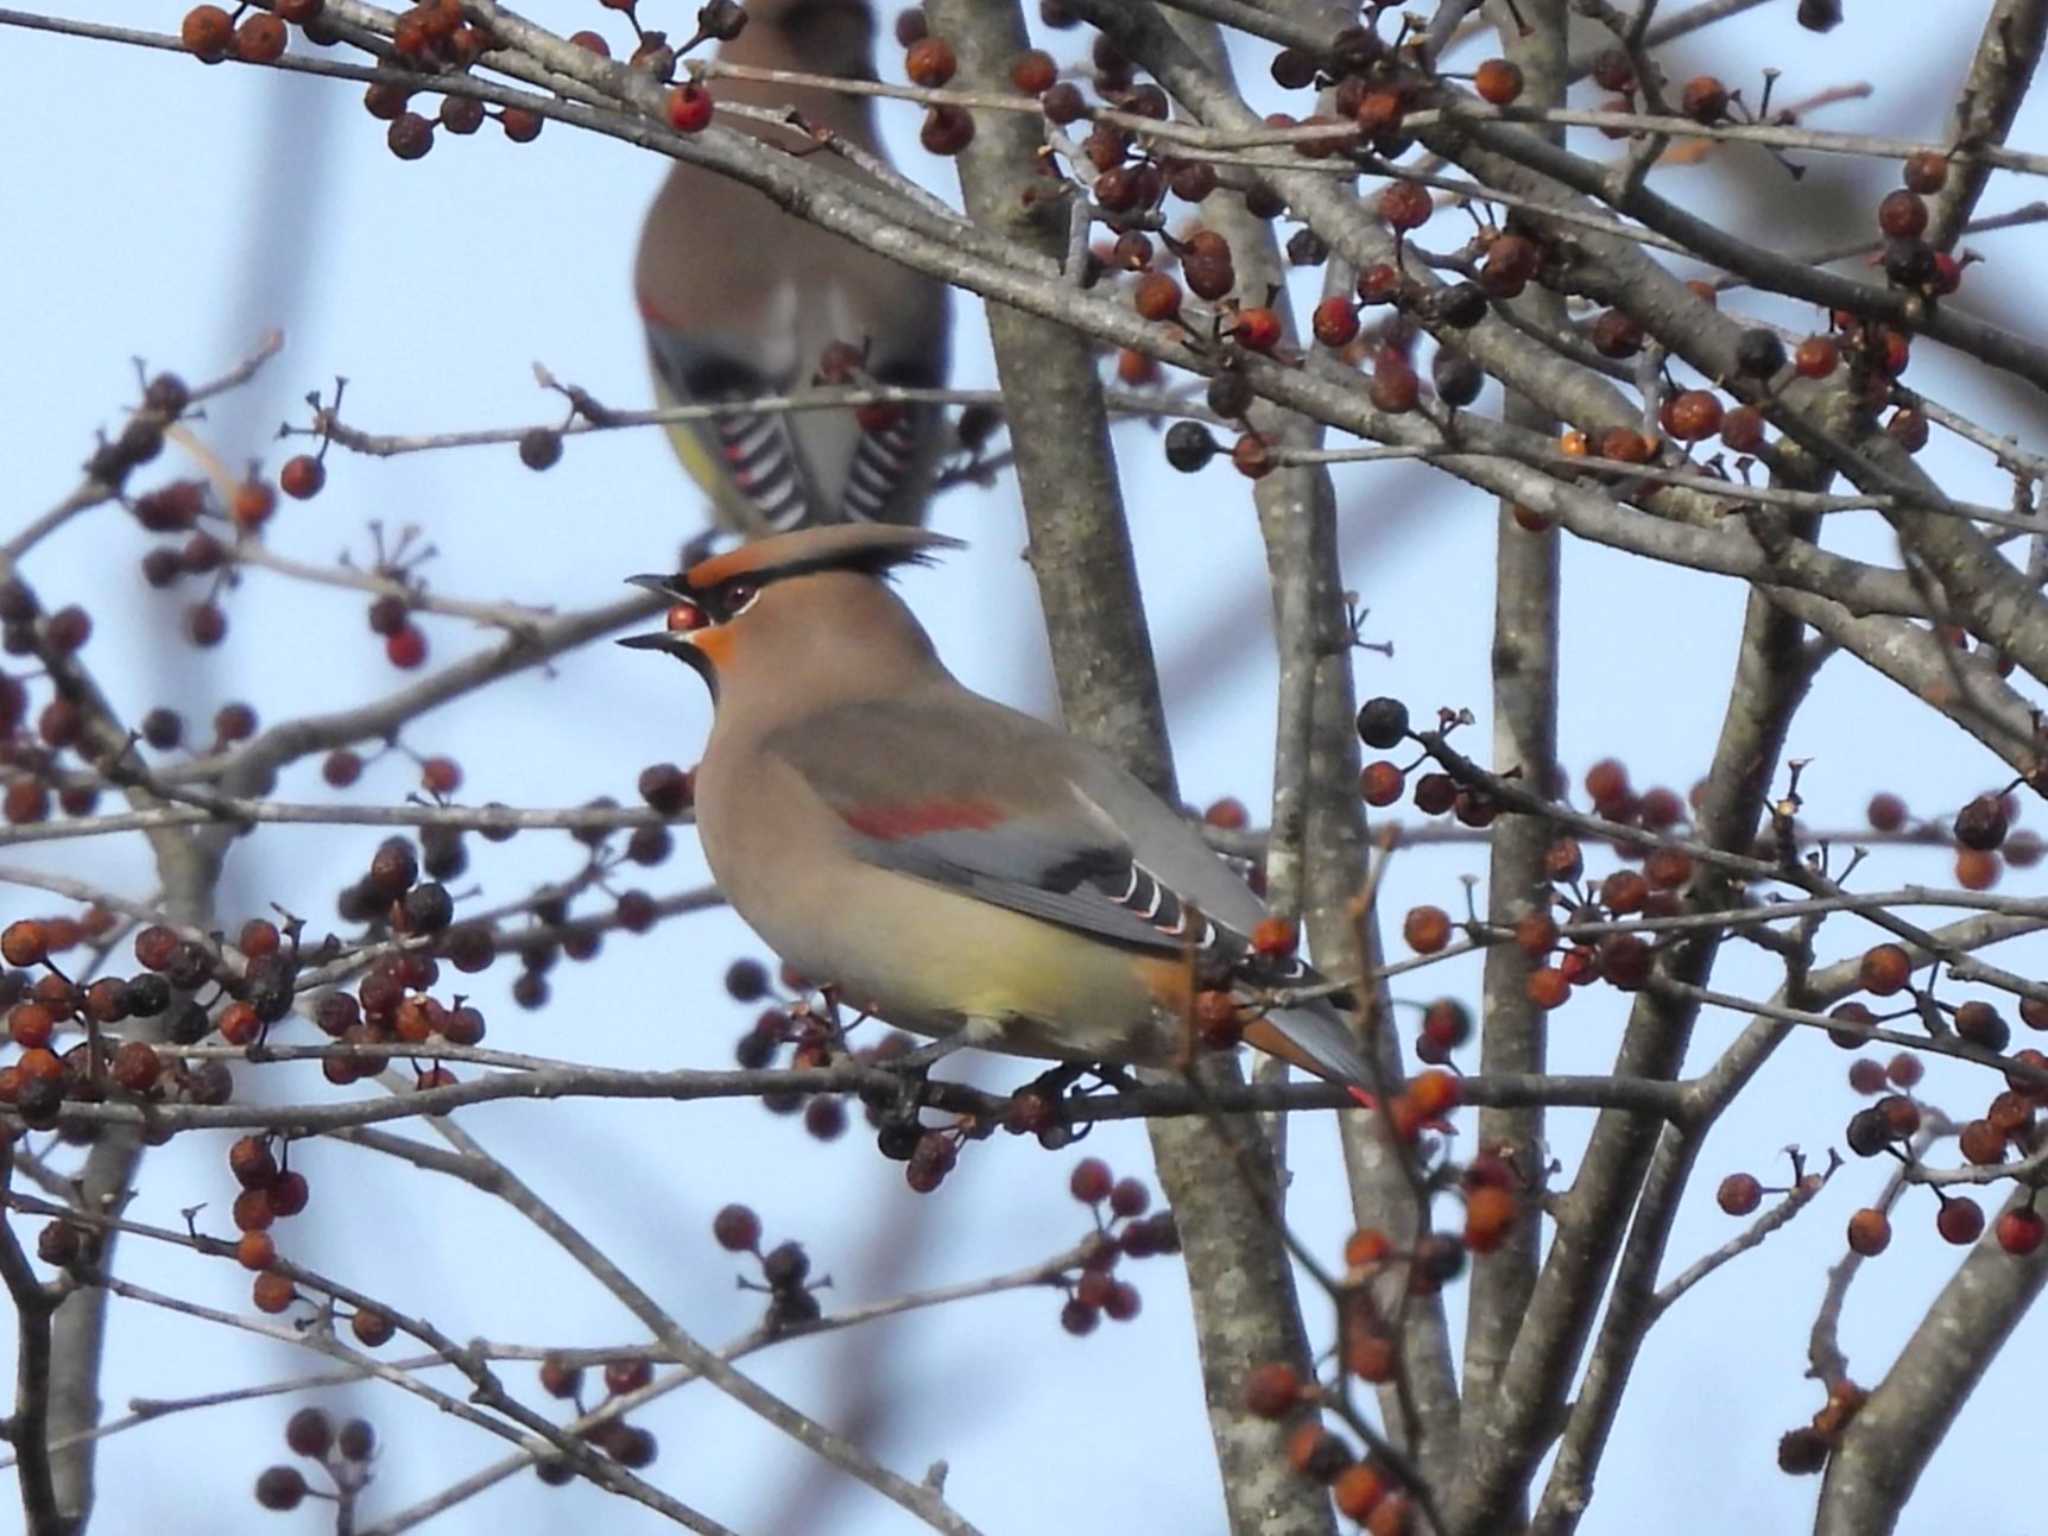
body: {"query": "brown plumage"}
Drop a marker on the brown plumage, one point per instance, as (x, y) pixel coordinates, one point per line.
(948, 863)
(740, 299)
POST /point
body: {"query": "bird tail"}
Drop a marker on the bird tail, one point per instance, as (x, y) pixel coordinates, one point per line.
(1315, 1038)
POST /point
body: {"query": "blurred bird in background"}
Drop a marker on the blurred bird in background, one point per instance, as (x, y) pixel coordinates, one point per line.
(947, 863)
(741, 300)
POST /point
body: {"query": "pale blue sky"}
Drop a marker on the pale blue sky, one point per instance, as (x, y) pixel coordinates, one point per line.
(175, 212)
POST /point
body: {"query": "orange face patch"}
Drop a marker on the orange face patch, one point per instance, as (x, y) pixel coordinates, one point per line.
(715, 642)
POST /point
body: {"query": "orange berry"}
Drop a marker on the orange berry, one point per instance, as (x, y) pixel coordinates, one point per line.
(1368, 1354)
(1705, 99)
(1275, 937)
(1739, 1194)
(1033, 72)
(207, 33)
(1490, 1214)
(1380, 783)
(931, 63)
(25, 942)
(273, 1292)
(1394, 1515)
(1535, 934)
(260, 39)
(1885, 969)
(1870, 1232)
(1271, 1391)
(1427, 929)
(1498, 81)
(1157, 296)
(256, 1250)
(1366, 1247)
(1548, 987)
(1434, 1094)
(1626, 445)
(1252, 457)
(1359, 1487)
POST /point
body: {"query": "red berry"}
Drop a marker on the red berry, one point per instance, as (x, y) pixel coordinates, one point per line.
(1258, 329)
(1925, 172)
(407, 648)
(1405, 205)
(1902, 215)
(689, 108)
(2020, 1230)
(1960, 1221)
(1091, 1181)
(410, 136)
(280, 1487)
(1336, 322)
(302, 477)
(947, 130)
(1816, 357)
(1694, 414)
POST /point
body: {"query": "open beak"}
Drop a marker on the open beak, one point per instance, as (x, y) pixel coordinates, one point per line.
(668, 640)
(675, 642)
(661, 586)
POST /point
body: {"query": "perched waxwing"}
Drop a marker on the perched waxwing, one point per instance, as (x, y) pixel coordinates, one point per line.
(741, 299)
(947, 863)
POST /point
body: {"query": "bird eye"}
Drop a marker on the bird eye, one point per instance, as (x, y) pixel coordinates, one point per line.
(739, 597)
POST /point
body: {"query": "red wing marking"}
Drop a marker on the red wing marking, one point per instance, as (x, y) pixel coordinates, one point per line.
(919, 818)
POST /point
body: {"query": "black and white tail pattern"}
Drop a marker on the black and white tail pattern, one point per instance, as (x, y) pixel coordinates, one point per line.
(881, 464)
(761, 457)
(1142, 893)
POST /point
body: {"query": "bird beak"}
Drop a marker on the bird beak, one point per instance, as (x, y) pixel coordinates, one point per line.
(675, 641)
(678, 643)
(660, 586)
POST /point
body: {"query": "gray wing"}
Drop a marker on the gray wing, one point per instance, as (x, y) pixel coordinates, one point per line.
(1006, 823)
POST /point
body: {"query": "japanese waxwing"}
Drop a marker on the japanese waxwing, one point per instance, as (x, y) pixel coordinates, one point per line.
(741, 299)
(943, 861)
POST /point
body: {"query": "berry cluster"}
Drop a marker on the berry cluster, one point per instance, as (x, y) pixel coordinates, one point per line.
(1122, 1230)
(930, 62)
(785, 1268)
(42, 1011)
(630, 1445)
(344, 1454)
(1806, 1450)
